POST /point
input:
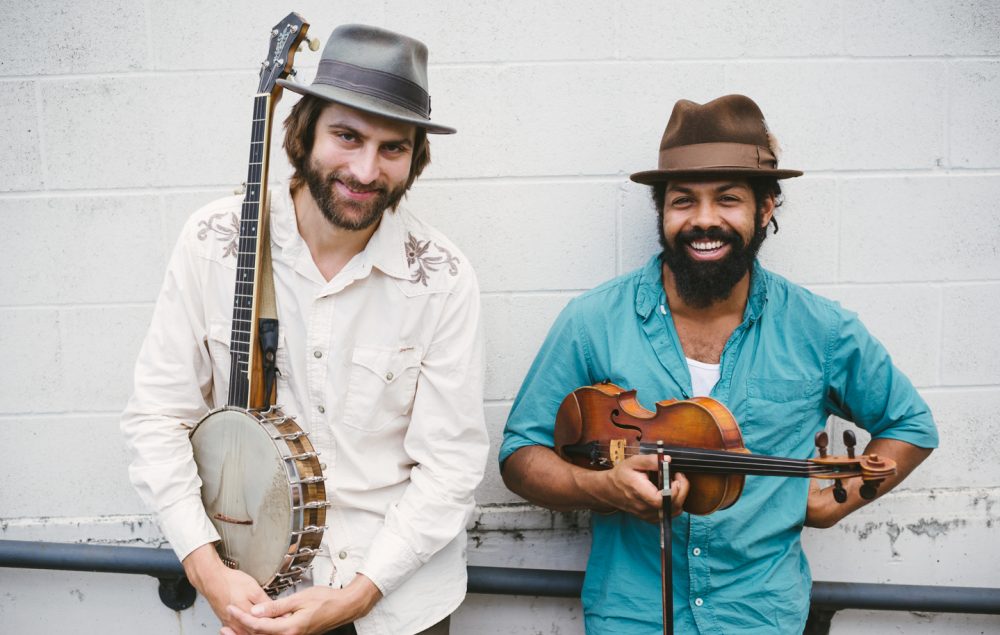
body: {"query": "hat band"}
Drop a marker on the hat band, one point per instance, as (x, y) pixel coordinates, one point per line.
(704, 156)
(391, 88)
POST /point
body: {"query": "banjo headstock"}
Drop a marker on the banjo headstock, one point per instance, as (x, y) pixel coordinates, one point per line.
(286, 36)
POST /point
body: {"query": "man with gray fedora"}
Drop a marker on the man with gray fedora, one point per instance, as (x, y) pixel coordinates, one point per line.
(380, 359)
(704, 318)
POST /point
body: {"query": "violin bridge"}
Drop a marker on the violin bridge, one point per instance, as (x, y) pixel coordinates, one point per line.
(616, 451)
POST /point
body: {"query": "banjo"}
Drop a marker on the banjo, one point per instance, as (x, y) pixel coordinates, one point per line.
(262, 483)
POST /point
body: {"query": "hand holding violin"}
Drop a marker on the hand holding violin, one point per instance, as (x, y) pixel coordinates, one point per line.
(627, 487)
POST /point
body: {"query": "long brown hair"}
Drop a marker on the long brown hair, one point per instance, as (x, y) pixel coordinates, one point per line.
(300, 133)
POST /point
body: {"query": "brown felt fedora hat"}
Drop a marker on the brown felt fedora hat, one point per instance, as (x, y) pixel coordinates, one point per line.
(376, 71)
(726, 136)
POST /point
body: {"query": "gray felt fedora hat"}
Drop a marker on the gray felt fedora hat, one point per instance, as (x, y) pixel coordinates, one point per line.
(376, 71)
(726, 136)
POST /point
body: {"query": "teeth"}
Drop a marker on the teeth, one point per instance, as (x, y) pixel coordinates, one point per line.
(705, 245)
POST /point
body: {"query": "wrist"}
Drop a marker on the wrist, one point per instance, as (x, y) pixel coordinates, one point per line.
(364, 595)
(202, 564)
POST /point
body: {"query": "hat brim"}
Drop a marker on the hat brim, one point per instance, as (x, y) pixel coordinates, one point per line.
(366, 103)
(650, 177)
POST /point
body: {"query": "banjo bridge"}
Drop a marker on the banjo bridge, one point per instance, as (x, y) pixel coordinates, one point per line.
(231, 520)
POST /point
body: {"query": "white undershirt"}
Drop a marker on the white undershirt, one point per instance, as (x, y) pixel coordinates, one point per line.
(703, 377)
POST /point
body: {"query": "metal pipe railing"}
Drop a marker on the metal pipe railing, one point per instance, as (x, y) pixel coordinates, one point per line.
(177, 593)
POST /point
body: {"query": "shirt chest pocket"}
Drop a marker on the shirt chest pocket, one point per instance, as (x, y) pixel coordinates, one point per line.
(780, 412)
(381, 386)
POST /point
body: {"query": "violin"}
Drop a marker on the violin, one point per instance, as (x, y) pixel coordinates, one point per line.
(598, 426)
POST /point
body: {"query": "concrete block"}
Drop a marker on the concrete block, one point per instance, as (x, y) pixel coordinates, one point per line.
(86, 452)
(921, 27)
(727, 29)
(98, 356)
(527, 236)
(919, 229)
(914, 623)
(46, 38)
(481, 614)
(833, 115)
(194, 35)
(971, 355)
(143, 131)
(640, 227)
(916, 537)
(805, 248)
(31, 346)
(965, 459)
(21, 168)
(84, 602)
(492, 491)
(515, 326)
(520, 30)
(560, 119)
(974, 122)
(905, 318)
(82, 249)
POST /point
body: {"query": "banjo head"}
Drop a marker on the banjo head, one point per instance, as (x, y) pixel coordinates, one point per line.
(247, 492)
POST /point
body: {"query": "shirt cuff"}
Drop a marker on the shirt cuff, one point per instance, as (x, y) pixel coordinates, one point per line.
(186, 527)
(389, 561)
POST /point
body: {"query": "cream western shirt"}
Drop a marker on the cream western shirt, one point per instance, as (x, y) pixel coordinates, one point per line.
(382, 365)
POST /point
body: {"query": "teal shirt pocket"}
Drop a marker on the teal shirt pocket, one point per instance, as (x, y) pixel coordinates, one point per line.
(779, 412)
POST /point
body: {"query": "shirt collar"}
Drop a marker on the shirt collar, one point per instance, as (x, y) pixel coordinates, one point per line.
(386, 249)
(650, 290)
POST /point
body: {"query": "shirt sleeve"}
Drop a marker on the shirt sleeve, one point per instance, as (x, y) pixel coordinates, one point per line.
(865, 387)
(560, 367)
(173, 377)
(447, 441)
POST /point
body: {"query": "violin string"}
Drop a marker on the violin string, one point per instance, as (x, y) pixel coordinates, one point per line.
(722, 461)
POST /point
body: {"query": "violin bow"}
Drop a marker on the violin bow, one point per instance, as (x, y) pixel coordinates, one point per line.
(666, 543)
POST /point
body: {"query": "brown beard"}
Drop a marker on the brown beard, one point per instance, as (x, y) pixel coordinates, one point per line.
(333, 207)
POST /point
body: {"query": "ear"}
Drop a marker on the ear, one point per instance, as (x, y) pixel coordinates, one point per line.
(768, 211)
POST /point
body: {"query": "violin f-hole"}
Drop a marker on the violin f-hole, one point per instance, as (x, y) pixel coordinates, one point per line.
(625, 426)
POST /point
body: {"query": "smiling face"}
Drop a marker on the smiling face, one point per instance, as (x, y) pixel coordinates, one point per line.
(359, 165)
(711, 232)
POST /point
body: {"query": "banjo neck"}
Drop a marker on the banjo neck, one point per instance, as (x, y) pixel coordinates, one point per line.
(246, 376)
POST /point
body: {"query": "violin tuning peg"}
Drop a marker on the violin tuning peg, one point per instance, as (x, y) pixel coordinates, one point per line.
(850, 441)
(822, 440)
(869, 490)
(839, 493)
(313, 43)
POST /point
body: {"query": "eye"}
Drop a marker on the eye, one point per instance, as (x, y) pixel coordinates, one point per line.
(394, 148)
(680, 201)
(346, 137)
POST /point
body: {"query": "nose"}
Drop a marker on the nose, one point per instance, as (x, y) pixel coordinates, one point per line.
(365, 165)
(705, 214)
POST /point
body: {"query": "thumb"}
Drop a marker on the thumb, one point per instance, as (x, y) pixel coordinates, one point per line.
(258, 596)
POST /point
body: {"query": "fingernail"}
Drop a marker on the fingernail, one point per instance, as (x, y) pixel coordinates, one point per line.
(257, 610)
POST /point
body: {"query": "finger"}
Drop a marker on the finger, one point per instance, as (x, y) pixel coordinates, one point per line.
(643, 462)
(680, 487)
(274, 608)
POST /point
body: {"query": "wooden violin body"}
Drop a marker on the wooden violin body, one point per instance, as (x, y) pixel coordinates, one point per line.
(598, 426)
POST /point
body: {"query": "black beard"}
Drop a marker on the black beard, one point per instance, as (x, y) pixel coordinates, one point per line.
(701, 284)
(322, 190)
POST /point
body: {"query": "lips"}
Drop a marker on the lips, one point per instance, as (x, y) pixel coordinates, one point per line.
(355, 192)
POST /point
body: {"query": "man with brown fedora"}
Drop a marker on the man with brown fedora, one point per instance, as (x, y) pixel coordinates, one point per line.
(379, 353)
(704, 318)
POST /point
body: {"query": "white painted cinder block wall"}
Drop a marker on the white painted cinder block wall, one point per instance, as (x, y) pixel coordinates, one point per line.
(122, 117)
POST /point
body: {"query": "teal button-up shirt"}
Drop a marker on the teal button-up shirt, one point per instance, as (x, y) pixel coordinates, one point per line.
(794, 360)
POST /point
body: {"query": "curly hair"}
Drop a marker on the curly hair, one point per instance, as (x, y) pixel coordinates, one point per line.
(300, 133)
